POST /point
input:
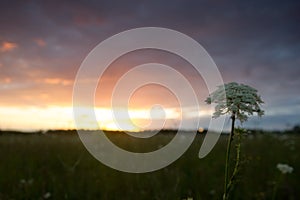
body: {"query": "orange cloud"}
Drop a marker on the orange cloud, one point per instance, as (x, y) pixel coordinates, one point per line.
(8, 46)
(40, 42)
(56, 81)
(5, 80)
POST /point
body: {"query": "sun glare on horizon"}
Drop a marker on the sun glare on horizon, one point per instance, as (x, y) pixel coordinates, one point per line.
(55, 117)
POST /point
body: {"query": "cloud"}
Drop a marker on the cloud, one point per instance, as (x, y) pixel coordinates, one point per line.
(58, 81)
(8, 46)
(255, 42)
(40, 42)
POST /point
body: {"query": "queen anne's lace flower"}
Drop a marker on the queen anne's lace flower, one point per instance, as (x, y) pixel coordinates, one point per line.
(47, 195)
(237, 99)
(284, 168)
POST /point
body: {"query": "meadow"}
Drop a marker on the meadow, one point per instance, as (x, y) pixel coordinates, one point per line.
(56, 165)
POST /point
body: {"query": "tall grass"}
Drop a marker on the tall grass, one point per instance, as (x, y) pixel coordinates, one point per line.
(36, 165)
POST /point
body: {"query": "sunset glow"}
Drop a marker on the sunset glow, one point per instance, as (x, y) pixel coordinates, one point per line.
(62, 118)
(43, 45)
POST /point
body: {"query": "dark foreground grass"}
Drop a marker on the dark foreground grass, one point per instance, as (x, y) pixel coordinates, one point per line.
(57, 166)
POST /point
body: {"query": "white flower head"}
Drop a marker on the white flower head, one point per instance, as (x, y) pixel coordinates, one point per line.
(284, 168)
(47, 195)
(239, 99)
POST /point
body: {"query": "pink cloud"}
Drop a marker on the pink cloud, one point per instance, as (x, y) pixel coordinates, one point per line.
(8, 46)
(6, 80)
(40, 42)
(56, 81)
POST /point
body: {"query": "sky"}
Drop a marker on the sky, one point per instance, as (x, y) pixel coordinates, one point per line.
(43, 43)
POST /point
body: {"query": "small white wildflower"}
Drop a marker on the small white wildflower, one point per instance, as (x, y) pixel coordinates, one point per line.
(283, 137)
(212, 192)
(47, 195)
(284, 168)
(292, 148)
(22, 181)
(30, 181)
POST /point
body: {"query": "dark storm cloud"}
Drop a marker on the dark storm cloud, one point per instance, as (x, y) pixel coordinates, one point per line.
(255, 42)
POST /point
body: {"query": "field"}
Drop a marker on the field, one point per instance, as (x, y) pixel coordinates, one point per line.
(57, 166)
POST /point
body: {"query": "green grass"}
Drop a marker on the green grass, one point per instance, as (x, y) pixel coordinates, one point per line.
(35, 164)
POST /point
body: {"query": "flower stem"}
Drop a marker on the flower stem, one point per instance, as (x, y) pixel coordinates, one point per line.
(225, 195)
(236, 169)
(274, 194)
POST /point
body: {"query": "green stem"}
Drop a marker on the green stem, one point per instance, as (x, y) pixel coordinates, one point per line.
(225, 195)
(237, 165)
(276, 187)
